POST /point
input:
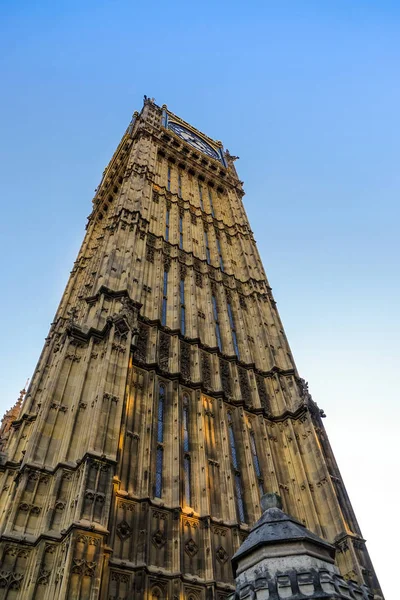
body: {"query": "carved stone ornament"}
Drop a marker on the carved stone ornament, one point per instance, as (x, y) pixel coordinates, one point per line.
(185, 360)
(142, 340)
(163, 352)
(225, 376)
(127, 317)
(206, 369)
(191, 548)
(244, 385)
(159, 539)
(262, 392)
(221, 555)
(124, 530)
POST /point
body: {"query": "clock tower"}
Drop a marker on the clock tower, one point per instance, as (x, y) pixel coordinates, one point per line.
(166, 401)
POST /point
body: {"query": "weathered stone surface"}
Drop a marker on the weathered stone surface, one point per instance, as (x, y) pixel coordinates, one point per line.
(158, 414)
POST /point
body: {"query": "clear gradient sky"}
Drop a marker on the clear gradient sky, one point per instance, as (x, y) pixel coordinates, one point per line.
(307, 93)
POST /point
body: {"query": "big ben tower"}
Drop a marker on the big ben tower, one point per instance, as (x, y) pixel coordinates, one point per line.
(166, 400)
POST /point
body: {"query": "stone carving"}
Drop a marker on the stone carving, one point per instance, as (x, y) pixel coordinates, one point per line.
(129, 313)
(313, 407)
(242, 302)
(150, 254)
(83, 567)
(221, 555)
(244, 385)
(124, 530)
(158, 538)
(199, 280)
(185, 360)
(10, 580)
(120, 577)
(141, 344)
(191, 548)
(43, 577)
(167, 263)
(163, 351)
(225, 376)
(206, 370)
(262, 393)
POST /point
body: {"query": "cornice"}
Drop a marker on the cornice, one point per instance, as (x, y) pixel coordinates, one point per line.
(204, 215)
(214, 350)
(211, 270)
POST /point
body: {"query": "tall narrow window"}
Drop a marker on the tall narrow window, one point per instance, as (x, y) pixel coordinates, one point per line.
(169, 179)
(217, 329)
(182, 299)
(256, 463)
(211, 201)
(233, 330)
(160, 441)
(164, 299)
(167, 225)
(201, 196)
(208, 256)
(181, 231)
(236, 471)
(221, 262)
(179, 185)
(186, 452)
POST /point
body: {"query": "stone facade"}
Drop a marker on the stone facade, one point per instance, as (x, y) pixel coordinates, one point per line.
(166, 400)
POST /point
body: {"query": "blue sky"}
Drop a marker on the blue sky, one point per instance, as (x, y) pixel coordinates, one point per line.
(307, 93)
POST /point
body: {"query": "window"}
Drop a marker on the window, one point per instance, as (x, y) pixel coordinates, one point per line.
(169, 179)
(208, 256)
(179, 185)
(221, 262)
(211, 201)
(236, 471)
(233, 330)
(160, 441)
(256, 462)
(164, 299)
(181, 231)
(182, 299)
(201, 196)
(167, 225)
(186, 452)
(217, 329)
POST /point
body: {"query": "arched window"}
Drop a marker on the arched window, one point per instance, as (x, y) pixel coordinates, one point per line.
(208, 255)
(169, 179)
(160, 441)
(236, 471)
(167, 225)
(256, 462)
(217, 329)
(181, 231)
(233, 330)
(179, 184)
(156, 593)
(182, 302)
(201, 196)
(186, 451)
(164, 299)
(221, 262)
(211, 201)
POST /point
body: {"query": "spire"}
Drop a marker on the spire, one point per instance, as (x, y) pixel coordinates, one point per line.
(11, 415)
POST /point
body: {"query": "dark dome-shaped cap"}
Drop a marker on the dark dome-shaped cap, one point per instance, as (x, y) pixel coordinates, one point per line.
(275, 527)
